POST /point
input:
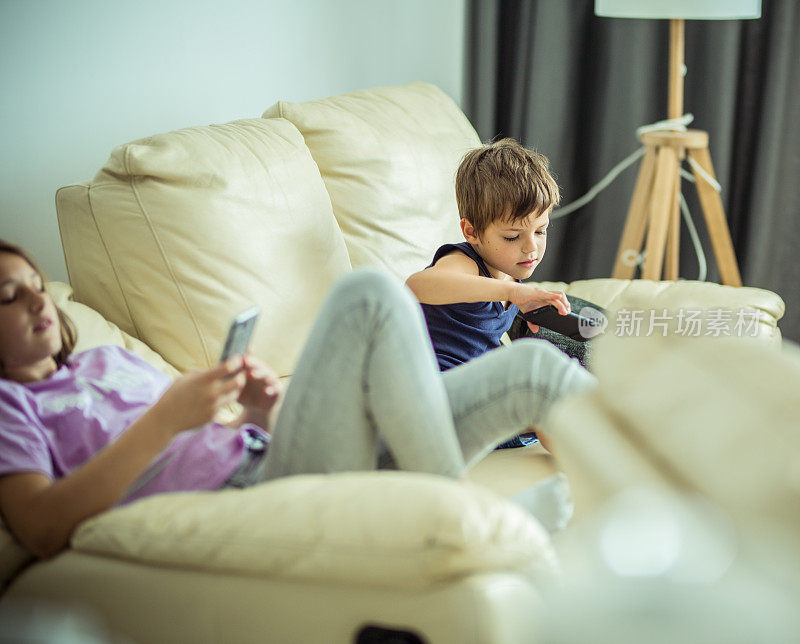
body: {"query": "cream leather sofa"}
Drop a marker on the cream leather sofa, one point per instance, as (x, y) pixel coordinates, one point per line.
(179, 231)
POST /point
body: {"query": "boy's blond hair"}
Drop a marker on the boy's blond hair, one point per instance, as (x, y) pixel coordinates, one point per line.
(503, 181)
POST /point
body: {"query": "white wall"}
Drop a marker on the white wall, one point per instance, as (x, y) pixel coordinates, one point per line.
(79, 77)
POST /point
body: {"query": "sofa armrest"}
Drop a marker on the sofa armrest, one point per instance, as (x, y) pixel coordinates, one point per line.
(381, 529)
(716, 302)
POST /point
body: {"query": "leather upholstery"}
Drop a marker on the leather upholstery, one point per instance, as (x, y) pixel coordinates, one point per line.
(388, 157)
(378, 534)
(188, 228)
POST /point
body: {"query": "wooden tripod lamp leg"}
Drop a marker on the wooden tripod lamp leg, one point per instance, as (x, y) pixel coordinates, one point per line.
(674, 235)
(636, 221)
(716, 222)
(660, 206)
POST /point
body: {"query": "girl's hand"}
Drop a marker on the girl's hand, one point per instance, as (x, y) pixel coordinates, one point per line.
(528, 298)
(195, 398)
(262, 388)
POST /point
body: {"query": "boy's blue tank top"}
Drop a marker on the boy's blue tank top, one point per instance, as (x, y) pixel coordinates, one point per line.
(463, 331)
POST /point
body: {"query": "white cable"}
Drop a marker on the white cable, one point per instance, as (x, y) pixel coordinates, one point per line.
(687, 217)
(701, 171)
(600, 186)
(698, 248)
(678, 124)
(632, 258)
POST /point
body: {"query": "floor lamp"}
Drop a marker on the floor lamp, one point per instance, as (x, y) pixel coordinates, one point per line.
(655, 205)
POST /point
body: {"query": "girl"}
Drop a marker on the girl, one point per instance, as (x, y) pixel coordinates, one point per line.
(81, 433)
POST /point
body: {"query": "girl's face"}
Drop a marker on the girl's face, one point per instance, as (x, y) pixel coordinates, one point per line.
(30, 331)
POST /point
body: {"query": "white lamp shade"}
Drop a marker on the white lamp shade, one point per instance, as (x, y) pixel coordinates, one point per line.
(679, 9)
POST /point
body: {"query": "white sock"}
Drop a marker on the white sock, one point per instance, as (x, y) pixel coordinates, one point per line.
(550, 501)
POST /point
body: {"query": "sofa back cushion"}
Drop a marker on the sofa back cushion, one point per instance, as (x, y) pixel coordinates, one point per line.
(93, 330)
(388, 157)
(180, 231)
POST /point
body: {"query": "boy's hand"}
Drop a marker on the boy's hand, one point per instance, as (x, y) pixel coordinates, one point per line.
(262, 388)
(528, 298)
(195, 398)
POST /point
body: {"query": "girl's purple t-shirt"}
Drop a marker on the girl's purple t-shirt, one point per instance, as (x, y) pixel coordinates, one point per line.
(54, 425)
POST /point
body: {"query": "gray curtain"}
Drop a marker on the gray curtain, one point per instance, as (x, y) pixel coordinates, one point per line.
(575, 87)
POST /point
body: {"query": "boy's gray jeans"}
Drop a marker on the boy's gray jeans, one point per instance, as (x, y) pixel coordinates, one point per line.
(367, 391)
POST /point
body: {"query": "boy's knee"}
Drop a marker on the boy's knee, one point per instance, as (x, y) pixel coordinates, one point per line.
(538, 351)
(545, 364)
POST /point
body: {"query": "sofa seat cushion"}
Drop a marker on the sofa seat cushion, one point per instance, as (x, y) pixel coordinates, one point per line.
(180, 231)
(388, 156)
(385, 529)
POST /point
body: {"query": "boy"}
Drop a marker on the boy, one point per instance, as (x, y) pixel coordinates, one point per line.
(472, 291)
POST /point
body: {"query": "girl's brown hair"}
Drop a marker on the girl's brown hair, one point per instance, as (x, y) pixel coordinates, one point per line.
(503, 181)
(69, 336)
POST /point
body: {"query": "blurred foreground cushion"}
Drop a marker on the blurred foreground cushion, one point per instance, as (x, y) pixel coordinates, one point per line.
(713, 416)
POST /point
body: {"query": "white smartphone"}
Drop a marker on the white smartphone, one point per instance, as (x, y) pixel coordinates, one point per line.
(239, 333)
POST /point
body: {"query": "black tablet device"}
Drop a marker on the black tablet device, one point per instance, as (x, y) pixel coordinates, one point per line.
(572, 325)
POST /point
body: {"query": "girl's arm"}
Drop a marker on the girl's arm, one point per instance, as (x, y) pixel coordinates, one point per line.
(43, 513)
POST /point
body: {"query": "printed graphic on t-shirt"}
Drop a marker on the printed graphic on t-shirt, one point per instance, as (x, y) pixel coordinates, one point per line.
(93, 390)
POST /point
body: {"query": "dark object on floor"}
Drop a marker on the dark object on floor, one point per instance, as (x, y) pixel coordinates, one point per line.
(380, 635)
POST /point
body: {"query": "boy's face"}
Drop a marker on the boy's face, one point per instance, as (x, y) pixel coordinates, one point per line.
(511, 249)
